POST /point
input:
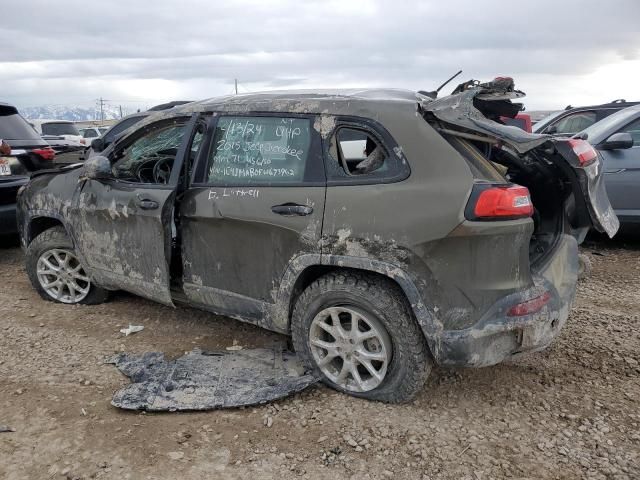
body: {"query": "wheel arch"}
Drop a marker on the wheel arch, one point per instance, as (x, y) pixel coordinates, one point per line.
(40, 221)
(305, 269)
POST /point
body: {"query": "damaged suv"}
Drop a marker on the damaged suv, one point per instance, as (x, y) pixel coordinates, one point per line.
(384, 230)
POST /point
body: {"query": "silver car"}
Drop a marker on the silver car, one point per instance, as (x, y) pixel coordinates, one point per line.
(617, 140)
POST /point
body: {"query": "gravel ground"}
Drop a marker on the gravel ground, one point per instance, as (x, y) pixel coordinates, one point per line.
(568, 412)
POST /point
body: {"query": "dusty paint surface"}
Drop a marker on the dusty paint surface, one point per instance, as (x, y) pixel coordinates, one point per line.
(240, 260)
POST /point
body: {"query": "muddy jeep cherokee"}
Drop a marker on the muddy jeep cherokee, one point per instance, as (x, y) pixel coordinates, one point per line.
(383, 230)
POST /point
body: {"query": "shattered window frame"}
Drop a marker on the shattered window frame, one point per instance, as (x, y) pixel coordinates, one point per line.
(336, 145)
(123, 144)
(398, 168)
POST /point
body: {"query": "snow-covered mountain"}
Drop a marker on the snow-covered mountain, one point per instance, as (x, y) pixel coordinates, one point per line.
(70, 112)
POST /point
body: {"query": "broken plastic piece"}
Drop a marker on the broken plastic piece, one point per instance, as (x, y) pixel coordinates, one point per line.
(131, 329)
(206, 380)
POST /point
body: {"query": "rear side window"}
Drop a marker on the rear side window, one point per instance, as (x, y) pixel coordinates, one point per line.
(576, 122)
(259, 151)
(359, 152)
(59, 129)
(14, 127)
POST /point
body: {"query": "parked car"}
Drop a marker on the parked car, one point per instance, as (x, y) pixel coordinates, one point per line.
(29, 152)
(408, 247)
(64, 138)
(100, 144)
(58, 132)
(617, 139)
(572, 120)
(92, 132)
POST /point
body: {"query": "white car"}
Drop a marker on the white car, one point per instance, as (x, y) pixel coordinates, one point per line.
(92, 132)
(59, 132)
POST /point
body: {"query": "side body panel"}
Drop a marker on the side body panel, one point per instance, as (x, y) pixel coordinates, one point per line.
(124, 245)
(236, 250)
(415, 226)
(622, 179)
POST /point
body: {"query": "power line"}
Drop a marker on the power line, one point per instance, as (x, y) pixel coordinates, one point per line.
(102, 102)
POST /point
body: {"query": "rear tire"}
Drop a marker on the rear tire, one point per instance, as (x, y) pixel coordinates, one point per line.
(397, 354)
(56, 273)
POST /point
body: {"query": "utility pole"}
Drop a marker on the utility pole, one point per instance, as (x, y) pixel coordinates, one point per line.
(120, 111)
(236, 83)
(102, 101)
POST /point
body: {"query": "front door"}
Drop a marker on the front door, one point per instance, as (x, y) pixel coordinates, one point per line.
(622, 176)
(257, 203)
(124, 229)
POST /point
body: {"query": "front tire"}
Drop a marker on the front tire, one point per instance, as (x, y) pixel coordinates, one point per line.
(56, 273)
(357, 332)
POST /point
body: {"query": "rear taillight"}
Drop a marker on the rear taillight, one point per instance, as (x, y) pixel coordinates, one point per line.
(499, 202)
(530, 306)
(584, 151)
(45, 153)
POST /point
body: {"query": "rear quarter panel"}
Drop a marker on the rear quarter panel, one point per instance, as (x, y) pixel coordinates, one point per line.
(417, 225)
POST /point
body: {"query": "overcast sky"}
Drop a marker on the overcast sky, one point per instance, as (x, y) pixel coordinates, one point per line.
(139, 53)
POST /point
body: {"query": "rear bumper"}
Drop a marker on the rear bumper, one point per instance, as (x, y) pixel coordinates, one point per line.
(8, 193)
(498, 336)
(8, 223)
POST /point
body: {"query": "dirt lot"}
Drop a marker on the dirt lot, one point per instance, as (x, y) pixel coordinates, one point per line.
(569, 412)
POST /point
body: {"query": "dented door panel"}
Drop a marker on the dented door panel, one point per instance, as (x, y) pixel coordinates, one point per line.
(124, 245)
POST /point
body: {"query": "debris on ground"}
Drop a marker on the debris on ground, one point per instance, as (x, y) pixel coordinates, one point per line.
(203, 380)
(131, 329)
(235, 347)
(5, 429)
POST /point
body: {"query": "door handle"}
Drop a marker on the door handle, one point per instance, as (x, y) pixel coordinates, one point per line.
(147, 203)
(292, 210)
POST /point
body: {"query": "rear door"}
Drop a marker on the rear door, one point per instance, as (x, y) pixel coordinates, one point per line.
(622, 175)
(256, 203)
(124, 228)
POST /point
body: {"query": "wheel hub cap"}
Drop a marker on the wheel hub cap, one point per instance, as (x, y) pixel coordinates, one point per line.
(62, 277)
(351, 347)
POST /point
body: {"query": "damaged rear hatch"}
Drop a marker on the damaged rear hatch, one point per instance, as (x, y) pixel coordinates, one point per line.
(472, 112)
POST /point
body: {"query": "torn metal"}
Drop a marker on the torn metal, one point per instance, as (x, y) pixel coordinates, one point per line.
(202, 380)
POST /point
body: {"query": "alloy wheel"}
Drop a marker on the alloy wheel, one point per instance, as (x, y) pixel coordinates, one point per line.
(61, 275)
(351, 347)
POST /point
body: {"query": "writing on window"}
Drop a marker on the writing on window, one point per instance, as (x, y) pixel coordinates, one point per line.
(259, 150)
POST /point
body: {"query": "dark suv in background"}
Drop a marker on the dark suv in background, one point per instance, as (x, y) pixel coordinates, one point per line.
(29, 152)
(572, 120)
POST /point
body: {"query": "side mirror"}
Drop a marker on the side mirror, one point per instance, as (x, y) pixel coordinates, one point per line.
(97, 168)
(97, 144)
(551, 129)
(617, 141)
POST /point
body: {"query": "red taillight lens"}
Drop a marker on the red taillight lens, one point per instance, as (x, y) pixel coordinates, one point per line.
(46, 153)
(503, 202)
(530, 306)
(584, 151)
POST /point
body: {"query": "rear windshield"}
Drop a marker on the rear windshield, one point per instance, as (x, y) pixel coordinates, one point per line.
(61, 128)
(14, 127)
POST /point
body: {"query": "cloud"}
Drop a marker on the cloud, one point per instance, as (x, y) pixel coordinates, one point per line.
(74, 51)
